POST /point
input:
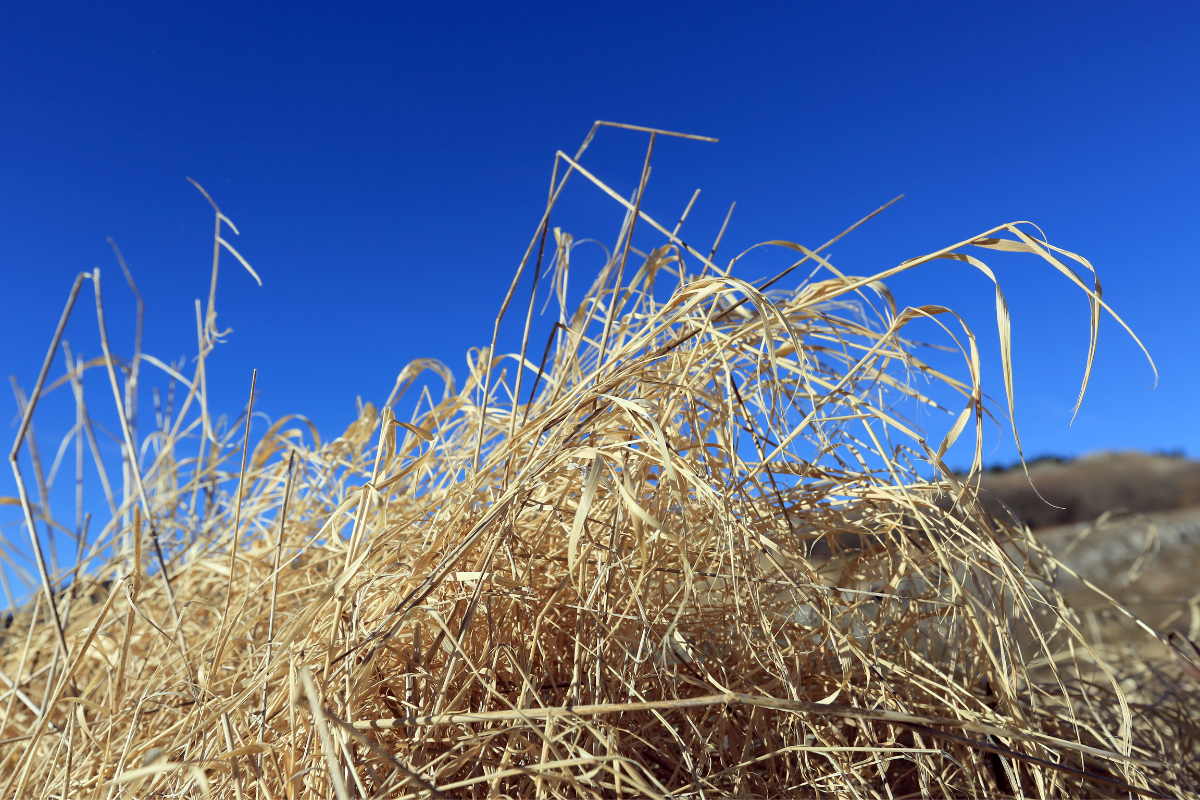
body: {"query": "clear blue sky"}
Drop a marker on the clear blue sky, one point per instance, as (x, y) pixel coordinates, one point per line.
(387, 164)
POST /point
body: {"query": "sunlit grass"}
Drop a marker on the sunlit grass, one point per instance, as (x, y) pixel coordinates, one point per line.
(685, 549)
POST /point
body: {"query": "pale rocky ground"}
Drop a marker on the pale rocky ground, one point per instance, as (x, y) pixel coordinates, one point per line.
(1130, 524)
(1148, 562)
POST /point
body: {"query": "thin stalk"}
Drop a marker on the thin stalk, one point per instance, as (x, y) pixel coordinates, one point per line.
(131, 394)
(76, 373)
(333, 763)
(15, 683)
(637, 207)
(491, 353)
(26, 420)
(86, 430)
(537, 272)
(233, 543)
(77, 570)
(287, 494)
(39, 475)
(675, 235)
(132, 451)
(720, 235)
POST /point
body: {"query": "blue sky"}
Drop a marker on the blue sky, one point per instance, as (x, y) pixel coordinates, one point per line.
(386, 166)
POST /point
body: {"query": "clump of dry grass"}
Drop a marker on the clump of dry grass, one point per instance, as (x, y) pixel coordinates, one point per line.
(695, 558)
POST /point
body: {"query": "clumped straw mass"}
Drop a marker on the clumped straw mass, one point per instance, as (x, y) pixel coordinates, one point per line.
(690, 548)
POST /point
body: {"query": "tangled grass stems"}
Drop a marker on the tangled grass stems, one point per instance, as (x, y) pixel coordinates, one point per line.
(700, 559)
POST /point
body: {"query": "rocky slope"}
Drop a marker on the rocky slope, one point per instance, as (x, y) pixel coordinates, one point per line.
(1129, 523)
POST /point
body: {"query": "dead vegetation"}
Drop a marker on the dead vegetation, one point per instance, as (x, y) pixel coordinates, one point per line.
(686, 550)
(1083, 489)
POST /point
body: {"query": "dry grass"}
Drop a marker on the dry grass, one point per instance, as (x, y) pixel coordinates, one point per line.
(699, 561)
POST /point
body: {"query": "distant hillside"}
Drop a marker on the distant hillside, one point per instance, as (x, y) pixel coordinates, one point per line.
(1087, 487)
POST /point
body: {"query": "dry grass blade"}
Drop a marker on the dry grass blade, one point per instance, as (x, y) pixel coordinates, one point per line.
(704, 556)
